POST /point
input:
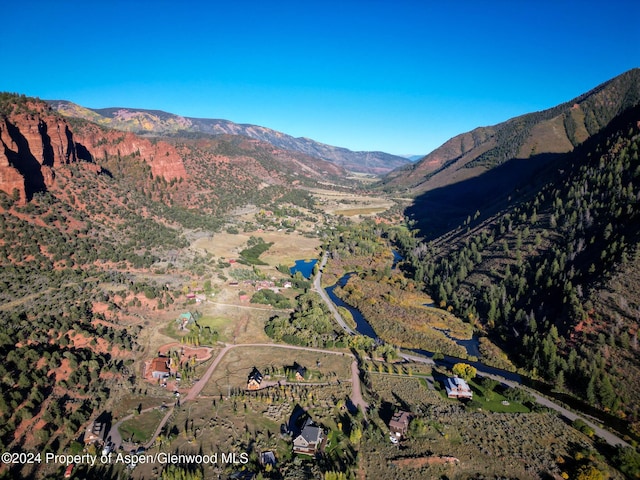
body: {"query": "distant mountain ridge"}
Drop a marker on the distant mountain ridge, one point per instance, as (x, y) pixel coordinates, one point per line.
(157, 122)
(552, 131)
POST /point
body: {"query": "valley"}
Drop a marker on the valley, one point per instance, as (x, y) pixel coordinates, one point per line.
(148, 308)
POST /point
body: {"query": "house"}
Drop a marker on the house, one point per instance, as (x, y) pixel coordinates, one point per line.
(399, 424)
(457, 388)
(95, 432)
(254, 380)
(264, 284)
(309, 440)
(160, 367)
(295, 372)
(267, 458)
(301, 373)
(185, 319)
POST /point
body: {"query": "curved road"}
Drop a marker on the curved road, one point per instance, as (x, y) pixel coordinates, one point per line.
(606, 435)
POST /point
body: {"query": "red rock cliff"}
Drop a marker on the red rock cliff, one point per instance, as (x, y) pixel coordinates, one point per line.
(34, 142)
(162, 157)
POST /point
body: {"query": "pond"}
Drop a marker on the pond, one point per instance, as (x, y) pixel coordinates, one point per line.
(305, 267)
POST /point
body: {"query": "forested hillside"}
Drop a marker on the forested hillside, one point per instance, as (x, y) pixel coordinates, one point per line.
(546, 277)
(489, 166)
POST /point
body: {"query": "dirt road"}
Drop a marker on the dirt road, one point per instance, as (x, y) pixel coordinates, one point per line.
(194, 392)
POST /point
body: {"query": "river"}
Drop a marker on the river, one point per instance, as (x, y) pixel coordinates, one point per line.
(510, 378)
(364, 328)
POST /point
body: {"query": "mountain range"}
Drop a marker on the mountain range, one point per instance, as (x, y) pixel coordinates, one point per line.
(556, 130)
(159, 123)
(489, 167)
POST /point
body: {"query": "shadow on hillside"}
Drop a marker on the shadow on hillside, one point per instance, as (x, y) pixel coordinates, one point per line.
(24, 161)
(443, 209)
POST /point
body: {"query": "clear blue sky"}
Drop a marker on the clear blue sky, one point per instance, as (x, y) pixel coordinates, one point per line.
(397, 76)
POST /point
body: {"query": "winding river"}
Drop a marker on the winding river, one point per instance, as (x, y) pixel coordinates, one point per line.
(508, 378)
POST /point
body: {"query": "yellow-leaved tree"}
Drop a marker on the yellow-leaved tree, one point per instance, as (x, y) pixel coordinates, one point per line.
(464, 371)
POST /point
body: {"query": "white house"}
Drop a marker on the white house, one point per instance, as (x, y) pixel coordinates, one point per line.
(457, 388)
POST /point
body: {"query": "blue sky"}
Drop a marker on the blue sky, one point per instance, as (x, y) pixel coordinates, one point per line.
(397, 76)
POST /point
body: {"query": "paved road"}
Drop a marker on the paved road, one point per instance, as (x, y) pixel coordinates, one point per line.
(317, 286)
(607, 436)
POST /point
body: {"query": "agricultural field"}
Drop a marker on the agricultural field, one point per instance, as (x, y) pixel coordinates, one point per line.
(286, 248)
(403, 391)
(350, 204)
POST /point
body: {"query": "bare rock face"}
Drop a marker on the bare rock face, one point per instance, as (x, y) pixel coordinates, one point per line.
(34, 142)
(162, 157)
(11, 181)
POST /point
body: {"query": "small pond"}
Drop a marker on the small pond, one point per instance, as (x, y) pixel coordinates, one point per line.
(305, 267)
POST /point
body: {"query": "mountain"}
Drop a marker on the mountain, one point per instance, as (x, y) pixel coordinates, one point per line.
(556, 130)
(157, 122)
(37, 142)
(540, 251)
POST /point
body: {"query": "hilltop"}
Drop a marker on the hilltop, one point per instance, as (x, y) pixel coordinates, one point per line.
(470, 171)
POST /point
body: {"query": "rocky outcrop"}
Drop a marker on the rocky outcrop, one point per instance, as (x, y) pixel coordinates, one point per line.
(11, 181)
(162, 157)
(35, 141)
